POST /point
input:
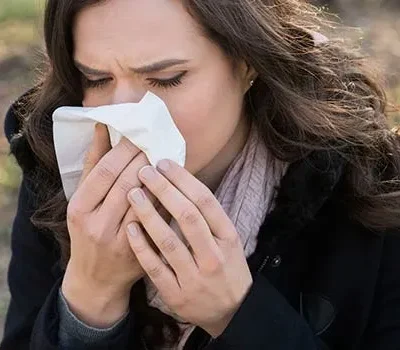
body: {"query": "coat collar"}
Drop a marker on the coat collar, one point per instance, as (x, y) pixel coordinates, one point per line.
(305, 188)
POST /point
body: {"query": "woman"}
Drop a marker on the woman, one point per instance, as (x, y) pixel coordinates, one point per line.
(289, 200)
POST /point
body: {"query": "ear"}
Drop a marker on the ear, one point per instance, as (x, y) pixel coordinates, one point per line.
(247, 75)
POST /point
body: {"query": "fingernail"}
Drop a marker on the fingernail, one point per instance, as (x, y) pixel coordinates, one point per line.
(147, 172)
(137, 196)
(164, 165)
(132, 230)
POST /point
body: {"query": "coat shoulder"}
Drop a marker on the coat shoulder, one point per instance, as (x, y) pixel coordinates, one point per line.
(15, 133)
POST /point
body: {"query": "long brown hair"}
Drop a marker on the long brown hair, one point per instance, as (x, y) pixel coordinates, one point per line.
(306, 98)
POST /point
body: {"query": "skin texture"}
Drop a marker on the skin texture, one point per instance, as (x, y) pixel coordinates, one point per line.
(116, 38)
(139, 33)
(205, 283)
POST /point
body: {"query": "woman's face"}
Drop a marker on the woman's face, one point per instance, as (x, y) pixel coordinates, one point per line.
(126, 47)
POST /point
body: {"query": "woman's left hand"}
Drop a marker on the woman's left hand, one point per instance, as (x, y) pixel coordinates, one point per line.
(206, 283)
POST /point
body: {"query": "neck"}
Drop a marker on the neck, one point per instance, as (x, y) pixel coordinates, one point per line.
(215, 171)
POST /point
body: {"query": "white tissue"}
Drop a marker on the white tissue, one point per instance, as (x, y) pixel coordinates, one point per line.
(147, 124)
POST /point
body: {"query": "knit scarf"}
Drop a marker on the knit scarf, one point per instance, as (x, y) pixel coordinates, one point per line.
(247, 194)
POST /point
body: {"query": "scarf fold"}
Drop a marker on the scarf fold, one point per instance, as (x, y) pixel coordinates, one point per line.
(246, 194)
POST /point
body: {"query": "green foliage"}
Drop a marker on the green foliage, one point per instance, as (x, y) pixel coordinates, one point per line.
(10, 174)
(20, 9)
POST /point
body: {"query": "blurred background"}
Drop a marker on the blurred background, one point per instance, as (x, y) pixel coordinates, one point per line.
(375, 22)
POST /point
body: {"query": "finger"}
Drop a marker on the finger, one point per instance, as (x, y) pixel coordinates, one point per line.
(199, 194)
(130, 217)
(102, 177)
(160, 274)
(98, 148)
(167, 241)
(189, 218)
(157, 205)
(116, 202)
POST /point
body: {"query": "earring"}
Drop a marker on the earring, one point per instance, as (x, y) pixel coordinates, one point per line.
(251, 83)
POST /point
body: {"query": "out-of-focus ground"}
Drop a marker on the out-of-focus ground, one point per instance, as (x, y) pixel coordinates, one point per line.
(20, 47)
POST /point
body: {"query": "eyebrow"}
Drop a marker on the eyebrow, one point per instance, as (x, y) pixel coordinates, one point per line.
(151, 68)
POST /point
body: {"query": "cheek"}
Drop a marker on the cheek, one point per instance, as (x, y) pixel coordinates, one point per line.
(207, 115)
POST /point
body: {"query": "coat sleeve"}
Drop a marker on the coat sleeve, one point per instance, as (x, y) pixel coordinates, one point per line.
(383, 331)
(32, 318)
(266, 320)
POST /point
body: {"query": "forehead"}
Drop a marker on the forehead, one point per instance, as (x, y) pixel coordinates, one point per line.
(137, 28)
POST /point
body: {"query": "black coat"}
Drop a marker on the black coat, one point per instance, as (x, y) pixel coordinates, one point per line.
(321, 280)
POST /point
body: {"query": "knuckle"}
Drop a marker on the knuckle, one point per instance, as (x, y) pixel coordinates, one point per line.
(169, 245)
(163, 187)
(189, 217)
(233, 241)
(125, 185)
(74, 215)
(96, 234)
(205, 201)
(213, 265)
(140, 246)
(106, 172)
(156, 271)
(146, 215)
(129, 146)
(93, 236)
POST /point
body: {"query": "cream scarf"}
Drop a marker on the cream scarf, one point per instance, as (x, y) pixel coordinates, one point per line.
(247, 194)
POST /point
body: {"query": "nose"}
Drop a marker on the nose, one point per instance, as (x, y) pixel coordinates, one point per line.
(126, 92)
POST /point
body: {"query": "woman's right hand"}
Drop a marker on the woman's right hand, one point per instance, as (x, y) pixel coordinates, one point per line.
(102, 267)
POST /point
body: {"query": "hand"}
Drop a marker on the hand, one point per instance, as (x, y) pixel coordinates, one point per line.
(102, 267)
(206, 283)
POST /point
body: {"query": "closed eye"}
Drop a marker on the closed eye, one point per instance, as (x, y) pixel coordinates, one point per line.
(167, 83)
(94, 84)
(156, 83)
